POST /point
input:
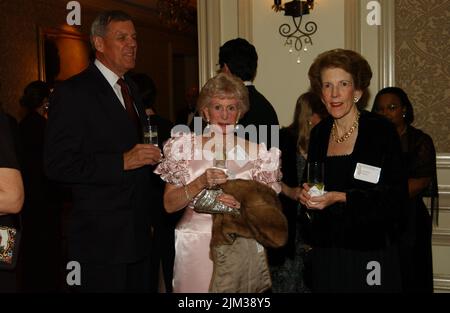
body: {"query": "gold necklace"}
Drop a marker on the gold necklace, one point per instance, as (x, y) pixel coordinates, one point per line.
(347, 134)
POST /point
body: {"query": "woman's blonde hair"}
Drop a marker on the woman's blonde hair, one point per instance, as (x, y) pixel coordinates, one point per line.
(307, 105)
(223, 86)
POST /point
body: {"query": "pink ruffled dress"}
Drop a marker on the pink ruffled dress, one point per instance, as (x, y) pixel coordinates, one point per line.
(184, 161)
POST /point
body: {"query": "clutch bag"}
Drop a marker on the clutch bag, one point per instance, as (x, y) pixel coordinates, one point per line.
(207, 203)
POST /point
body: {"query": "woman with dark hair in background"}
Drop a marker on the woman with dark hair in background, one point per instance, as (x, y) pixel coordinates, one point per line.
(287, 264)
(420, 158)
(41, 244)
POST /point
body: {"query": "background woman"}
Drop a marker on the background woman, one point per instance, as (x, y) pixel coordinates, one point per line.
(420, 159)
(188, 169)
(11, 193)
(41, 214)
(354, 224)
(287, 263)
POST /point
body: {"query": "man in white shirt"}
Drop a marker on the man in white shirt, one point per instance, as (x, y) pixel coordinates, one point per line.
(93, 144)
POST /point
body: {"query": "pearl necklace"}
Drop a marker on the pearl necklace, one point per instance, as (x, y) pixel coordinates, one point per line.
(347, 134)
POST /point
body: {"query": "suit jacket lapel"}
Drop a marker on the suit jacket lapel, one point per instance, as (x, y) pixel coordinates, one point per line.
(110, 104)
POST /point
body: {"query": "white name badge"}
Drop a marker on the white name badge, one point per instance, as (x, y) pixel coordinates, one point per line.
(367, 173)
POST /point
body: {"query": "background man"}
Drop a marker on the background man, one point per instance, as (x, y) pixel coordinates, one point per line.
(239, 58)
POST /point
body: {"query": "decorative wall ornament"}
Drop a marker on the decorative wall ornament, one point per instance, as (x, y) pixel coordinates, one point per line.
(296, 38)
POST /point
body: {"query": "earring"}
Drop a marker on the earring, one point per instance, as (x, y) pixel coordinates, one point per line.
(404, 115)
(355, 99)
(207, 125)
(236, 126)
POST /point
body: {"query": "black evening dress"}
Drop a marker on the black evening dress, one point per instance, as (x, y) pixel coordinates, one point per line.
(355, 244)
(416, 251)
(287, 266)
(337, 268)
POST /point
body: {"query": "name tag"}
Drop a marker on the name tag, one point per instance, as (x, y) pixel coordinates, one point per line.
(367, 173)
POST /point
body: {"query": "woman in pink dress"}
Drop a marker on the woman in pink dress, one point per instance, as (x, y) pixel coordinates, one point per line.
(190, 166)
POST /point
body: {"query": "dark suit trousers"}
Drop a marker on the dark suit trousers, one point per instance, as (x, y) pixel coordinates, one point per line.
(128, 277)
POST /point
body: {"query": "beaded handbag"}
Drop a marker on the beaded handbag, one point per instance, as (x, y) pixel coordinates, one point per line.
(207, 203)
(10, 235)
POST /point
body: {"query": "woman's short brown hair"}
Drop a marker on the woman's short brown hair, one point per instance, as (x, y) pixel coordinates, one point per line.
(348, 60)
(223, 86)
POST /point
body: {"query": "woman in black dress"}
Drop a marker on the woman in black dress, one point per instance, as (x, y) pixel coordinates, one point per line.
(40, 261)
(287, 264)
(11, 194)
(355, 225)
(420, 158)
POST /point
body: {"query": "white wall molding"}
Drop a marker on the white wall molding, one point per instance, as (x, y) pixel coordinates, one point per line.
(444, 189)
(208, 15)
(245, 19)
(352, 20)
(441, 233)
(441, 283)
(443, 160)
(219, 21)
(441, 237)
(386, 45)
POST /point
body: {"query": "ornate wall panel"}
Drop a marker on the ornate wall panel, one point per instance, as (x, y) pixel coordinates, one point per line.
(423, 64)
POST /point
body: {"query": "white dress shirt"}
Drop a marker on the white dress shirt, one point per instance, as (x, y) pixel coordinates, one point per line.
(112, 79)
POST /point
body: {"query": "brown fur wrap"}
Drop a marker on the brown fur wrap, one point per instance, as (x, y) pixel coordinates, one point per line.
(261, 215)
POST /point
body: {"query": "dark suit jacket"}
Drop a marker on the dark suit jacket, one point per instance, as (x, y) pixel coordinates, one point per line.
(88, 132)
(373, 212)
(261, 112)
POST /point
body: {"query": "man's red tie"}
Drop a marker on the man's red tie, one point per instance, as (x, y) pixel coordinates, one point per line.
(128, 100)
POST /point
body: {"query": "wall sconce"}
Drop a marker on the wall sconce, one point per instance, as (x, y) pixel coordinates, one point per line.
(297, 39)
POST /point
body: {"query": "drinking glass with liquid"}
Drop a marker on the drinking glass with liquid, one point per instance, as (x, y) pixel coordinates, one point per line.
(315, 178)
(150, 134)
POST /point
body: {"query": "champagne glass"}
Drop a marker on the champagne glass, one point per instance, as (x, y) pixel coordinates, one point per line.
(220, 160)
(150, 133)
(315, 178)
(153, 130)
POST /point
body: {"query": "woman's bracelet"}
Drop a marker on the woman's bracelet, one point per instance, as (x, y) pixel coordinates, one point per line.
(186, 191)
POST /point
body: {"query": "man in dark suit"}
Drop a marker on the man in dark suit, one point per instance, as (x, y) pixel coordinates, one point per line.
(93, 145)
(239, 57)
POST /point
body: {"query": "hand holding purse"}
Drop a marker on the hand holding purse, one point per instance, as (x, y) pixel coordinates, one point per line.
(207, 203)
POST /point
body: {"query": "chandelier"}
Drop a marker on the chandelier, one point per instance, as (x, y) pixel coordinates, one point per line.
(177, 14)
